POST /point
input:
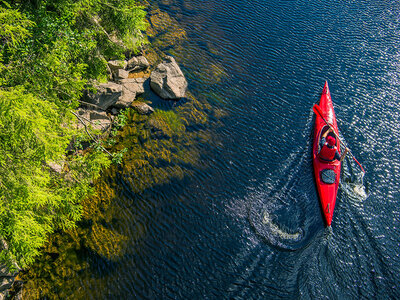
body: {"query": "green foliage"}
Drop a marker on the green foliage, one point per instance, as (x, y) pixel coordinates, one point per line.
(13, 26)
(159, 147)
(50, 51)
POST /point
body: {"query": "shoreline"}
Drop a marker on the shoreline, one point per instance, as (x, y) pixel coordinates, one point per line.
(162, 126)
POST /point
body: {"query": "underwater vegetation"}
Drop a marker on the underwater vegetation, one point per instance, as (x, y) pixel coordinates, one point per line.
(158, 148)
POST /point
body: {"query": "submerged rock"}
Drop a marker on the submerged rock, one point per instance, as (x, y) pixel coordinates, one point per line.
(142, 108)
(167, 80)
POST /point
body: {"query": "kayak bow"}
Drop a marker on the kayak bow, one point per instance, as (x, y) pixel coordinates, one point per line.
(327, 173)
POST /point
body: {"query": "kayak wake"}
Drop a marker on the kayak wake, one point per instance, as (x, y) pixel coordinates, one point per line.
(277, 224)
(279, 208)
(267, 220)
(353, 184)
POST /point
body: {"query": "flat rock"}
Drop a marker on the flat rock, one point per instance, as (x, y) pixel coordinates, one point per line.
(134, 84)
(97, 119)
(167, 80)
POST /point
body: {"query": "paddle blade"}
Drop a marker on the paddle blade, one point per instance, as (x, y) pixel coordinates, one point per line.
(317, 110)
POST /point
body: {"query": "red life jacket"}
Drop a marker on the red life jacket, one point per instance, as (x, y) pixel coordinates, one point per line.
(327, 153)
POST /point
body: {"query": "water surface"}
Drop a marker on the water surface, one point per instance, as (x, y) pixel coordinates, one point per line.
(247, 223)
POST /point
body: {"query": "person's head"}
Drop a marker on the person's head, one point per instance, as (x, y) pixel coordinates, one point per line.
(331, 141)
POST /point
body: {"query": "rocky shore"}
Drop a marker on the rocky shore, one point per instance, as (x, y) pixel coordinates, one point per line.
(127, 81)
(161, 145)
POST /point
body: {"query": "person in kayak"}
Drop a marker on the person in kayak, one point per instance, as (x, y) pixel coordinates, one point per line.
(328, 148)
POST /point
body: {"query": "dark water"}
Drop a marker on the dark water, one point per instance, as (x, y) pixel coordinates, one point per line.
(248, 225)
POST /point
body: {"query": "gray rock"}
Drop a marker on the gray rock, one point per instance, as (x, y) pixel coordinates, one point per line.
(121, 74)
(167, 80)
(127, 97)
(137, 63)
(99, 120)
(132, 63)
(117, 64)
(58, 168)
(107, 95)
(134, 84)
(6, 283)
(142, 108)
(6, 277)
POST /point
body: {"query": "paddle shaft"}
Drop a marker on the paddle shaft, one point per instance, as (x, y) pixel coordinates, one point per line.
(318, 111)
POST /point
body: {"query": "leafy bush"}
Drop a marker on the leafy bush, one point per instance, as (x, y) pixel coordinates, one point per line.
(50, 51)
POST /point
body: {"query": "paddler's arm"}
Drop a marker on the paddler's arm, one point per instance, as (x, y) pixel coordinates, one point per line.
(322, 141)
(326, 133)
(344, 154)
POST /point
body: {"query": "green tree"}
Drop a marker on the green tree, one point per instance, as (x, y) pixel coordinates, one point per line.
(50, 51)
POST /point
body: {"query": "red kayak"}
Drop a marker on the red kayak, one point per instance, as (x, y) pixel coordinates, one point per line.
(327, 173)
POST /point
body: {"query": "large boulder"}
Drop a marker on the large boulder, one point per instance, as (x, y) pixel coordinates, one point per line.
(134, 84)
(167, 80)
(127, 97)
(118, 95)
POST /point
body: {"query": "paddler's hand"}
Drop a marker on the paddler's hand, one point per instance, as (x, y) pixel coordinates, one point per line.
(344, 153)
(327, 132)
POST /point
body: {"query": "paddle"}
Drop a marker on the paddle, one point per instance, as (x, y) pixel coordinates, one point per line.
(318, 111)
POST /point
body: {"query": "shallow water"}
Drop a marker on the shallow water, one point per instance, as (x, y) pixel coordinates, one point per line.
(246, 222)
